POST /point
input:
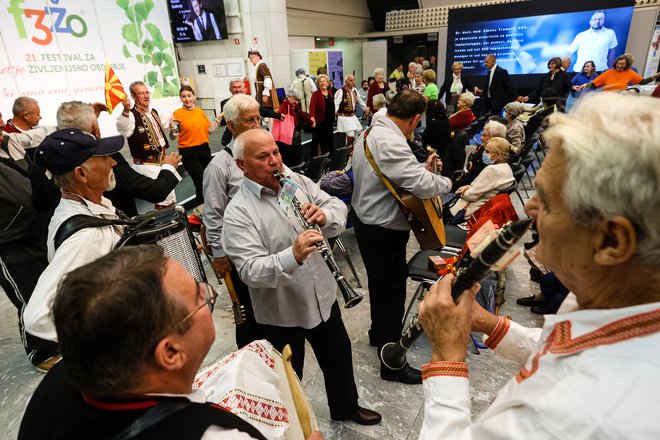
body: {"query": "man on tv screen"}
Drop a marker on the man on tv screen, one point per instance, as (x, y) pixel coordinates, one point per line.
(203, 23)
(596, 44)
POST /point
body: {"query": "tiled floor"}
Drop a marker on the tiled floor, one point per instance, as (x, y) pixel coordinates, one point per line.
(400, 405)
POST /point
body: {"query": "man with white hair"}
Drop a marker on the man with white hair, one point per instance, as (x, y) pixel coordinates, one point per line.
(592, 371)
(293, 292)
(305, 86)
(346, 101)
(222, 179)
(82, 168)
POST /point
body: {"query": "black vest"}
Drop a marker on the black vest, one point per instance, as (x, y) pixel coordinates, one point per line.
(144, 144)
(57, 411)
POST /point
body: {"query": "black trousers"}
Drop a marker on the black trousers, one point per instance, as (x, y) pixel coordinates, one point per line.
(195, 160)
(323, 137)
(332, 349)
(20, 268)
(383, 252)
(291, 154)
(250, 330)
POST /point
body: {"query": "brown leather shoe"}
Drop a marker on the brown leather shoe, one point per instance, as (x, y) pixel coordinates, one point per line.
(365, 416)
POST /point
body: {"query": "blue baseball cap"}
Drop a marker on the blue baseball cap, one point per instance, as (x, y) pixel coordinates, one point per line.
(63, 150)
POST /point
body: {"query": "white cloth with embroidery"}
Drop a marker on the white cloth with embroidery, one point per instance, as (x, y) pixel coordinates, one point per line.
(245, 382)
(595, 375)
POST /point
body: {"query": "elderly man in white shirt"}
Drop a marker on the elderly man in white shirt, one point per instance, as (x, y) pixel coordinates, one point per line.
(591, 372)
(82, 168)
(346, 101)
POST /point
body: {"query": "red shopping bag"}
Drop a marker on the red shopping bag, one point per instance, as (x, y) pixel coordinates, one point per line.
(283, 130)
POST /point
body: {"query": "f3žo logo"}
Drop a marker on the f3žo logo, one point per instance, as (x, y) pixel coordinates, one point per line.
(62, 23)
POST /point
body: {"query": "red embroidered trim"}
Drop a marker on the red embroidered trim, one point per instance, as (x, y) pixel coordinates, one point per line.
(455, 369)
(501, 329)
(560, 342)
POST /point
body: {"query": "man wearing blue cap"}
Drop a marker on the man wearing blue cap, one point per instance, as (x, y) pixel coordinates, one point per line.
(82, 168)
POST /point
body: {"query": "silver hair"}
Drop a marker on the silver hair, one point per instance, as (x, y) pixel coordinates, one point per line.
(134, 84)
(296, 94)
(468, 97)
(515, 108)
(76, 114)
(426, 64)
(379, 101)
(234, 81)
(23, 104)
(378, 70)
(238, 104)
(412, 63)
(389, 95)
(496, 129)
(566, 58)
(612, 147)
(346, 77)
(300, 71)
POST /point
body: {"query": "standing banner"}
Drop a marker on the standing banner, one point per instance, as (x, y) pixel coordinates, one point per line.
(336, 67)
(56, 51)
(653, 58)
(317, 59)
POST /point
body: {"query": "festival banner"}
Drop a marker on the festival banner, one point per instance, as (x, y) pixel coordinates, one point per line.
(57, 50)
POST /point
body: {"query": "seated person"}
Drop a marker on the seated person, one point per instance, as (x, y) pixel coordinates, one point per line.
(437, 133)
(379, 103)
(515, 130)
(463, 117)
(496, 176)
(592, 371)
(134, 327)
(474, 165)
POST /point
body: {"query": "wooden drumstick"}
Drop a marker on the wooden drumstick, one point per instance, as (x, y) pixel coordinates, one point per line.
(299, 399)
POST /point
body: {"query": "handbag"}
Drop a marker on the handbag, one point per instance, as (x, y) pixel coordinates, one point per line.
(283, 130)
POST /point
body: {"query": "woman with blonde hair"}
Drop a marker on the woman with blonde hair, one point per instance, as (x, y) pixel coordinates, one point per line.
(454, 86)
(431, 90)
(322, 113)
(496, 176)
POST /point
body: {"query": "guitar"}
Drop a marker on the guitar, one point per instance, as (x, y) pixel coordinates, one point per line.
(423, 215)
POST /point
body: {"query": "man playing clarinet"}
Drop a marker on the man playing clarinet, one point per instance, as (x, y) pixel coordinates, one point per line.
(293, 293)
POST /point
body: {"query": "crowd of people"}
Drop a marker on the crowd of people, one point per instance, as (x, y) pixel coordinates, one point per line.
(122, 333)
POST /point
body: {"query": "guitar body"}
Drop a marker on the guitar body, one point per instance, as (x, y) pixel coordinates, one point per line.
(425, 219)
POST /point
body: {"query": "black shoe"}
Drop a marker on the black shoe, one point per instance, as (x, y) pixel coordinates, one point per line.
(535, 275)
(529, 301)
(407, 375)
(538, 310)
(364, 416)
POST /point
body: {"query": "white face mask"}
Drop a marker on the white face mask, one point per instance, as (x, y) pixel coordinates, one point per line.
(111, 182)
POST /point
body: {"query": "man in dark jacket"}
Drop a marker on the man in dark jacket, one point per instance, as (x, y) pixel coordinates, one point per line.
(498, 88)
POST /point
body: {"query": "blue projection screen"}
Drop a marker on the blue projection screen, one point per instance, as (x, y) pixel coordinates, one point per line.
(525, 35)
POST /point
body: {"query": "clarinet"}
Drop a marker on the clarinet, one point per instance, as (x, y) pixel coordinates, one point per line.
(351, 297)
(393, 354)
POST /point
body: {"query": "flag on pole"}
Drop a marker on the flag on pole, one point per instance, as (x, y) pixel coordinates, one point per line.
(114, 91)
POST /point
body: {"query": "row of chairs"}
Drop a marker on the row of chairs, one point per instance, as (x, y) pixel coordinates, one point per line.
(317, 166)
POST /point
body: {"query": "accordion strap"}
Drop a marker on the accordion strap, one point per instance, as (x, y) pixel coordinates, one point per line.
(81, 221)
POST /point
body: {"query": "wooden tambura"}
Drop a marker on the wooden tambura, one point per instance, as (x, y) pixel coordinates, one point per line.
(252, 383)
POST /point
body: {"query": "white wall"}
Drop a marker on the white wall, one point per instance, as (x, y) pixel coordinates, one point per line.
(322, 18)
(374, 54)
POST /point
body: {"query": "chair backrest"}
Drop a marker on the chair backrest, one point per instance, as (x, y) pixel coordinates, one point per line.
(518, 172)
(338, 159)
(316, 167)
(509, 189)
(300, 168)
(454, 155)
(339, 140)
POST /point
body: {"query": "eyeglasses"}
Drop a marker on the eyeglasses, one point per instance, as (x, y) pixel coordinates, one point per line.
(210, 295)
(147, 93)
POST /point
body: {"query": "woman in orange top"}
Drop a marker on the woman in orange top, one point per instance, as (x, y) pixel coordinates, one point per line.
(193, 133)
(618, 78)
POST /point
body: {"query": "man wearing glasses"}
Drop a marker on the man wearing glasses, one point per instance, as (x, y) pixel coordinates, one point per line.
(144, 129)
(134, 328)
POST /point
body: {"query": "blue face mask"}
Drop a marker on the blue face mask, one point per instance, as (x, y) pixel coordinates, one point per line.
(486, 159)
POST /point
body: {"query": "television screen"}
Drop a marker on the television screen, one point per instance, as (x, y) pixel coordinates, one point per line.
(197, 20)
(525, 35)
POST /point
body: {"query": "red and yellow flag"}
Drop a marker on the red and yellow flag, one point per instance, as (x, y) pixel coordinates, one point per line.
(114, 91)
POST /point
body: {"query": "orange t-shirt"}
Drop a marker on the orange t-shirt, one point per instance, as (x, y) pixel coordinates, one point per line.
(193, 127)
(614, 81)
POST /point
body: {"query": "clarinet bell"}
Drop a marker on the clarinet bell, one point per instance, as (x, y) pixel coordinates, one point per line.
(393, 355)
(351, 297)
